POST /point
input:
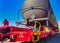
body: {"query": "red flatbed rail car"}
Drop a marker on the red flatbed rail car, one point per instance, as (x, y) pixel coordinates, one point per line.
(18, 34)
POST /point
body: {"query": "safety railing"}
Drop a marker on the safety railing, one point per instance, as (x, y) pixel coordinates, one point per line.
(36, 34)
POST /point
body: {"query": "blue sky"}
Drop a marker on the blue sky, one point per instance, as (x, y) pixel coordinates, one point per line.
(9, 10)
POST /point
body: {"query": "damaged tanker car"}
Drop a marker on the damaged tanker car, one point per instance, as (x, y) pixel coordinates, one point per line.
(40, 22)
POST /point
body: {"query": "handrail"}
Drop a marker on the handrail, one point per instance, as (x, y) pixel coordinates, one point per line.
(35, 25)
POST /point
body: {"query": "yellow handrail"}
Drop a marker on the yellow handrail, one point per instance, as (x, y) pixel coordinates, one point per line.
(35, 25)
(35, 40)
(38, 36)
